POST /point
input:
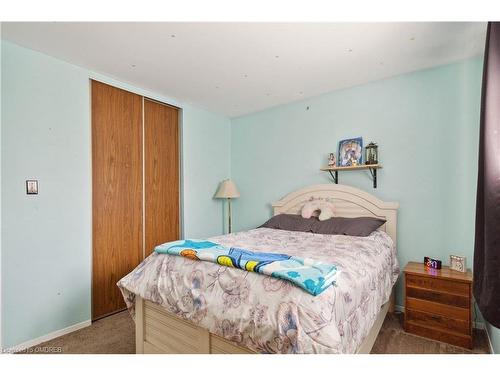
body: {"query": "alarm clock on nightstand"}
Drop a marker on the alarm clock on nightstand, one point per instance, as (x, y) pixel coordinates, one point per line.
(458, 263)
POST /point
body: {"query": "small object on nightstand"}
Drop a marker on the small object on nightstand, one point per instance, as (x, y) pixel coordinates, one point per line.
(438, 304)
(432, 263)
(458, 263)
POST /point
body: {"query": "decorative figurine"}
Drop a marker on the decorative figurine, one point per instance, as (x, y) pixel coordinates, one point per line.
(371, 153)
(332, 162)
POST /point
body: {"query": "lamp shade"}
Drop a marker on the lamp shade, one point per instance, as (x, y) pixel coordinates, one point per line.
(227, 189)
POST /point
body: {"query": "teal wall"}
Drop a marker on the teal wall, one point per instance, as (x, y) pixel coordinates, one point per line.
(206, 163)
(46, 239)
(427, 126)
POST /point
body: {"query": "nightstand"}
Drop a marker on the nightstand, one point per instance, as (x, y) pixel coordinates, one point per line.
(438, 304)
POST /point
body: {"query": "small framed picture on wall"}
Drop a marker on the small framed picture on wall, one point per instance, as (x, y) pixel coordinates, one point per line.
(350, 152)
(31, 187)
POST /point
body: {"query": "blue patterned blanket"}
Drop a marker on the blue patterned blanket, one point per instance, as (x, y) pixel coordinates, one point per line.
(312, 276)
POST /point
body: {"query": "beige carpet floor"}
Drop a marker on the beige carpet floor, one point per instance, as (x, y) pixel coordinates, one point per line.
(392, 339)
(115, 335)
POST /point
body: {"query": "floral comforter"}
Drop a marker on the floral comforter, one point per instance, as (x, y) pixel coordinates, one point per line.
(270, 315)
(312, 276)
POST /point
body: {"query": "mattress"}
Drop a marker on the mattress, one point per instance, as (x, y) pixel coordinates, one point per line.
(270, 315)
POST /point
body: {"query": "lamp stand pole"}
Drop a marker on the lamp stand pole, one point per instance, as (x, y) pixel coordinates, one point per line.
(229, 207)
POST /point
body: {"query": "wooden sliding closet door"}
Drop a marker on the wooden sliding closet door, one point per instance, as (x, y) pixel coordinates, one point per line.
(116, 193)
(161, 174)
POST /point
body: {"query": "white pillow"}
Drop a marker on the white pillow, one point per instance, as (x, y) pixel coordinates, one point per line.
(325, 208)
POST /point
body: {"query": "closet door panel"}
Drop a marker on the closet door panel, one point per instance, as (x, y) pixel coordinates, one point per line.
(161, 153)
(116, 193)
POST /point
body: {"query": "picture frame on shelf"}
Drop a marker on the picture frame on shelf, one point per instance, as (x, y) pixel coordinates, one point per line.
(350, 152)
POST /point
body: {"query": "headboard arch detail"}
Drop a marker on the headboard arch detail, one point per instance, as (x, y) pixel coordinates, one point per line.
(348, 201)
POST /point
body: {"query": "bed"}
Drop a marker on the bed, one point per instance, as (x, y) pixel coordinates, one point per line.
(187, 306)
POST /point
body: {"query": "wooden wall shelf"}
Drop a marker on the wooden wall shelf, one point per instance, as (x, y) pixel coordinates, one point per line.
(334, 171)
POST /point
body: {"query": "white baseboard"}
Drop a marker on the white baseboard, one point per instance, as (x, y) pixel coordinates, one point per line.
(489, 341)
(47, 337)
(477, 325)
(399, 308)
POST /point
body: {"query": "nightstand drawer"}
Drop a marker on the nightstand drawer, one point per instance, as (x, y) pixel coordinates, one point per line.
(440, 297)
(438, 321)
(437, 308)
(437, 284)
(440, 335)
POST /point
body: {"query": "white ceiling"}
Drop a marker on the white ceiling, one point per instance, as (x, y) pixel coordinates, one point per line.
(239, 68)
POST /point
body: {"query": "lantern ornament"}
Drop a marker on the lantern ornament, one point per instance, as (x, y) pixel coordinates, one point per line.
(371, 153)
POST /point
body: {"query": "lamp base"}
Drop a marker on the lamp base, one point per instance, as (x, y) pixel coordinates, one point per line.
(229, 214)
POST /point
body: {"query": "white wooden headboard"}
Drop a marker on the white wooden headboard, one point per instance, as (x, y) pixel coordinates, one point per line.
(348, 201)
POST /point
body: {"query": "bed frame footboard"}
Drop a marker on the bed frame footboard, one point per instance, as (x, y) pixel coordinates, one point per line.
(160, 332)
